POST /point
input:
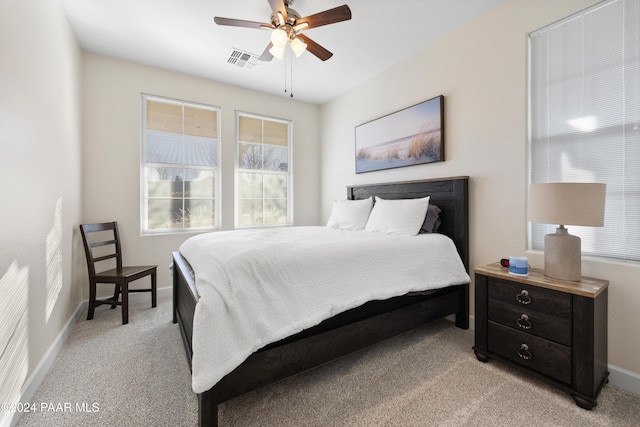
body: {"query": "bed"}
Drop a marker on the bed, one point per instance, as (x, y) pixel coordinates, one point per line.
(348, 331)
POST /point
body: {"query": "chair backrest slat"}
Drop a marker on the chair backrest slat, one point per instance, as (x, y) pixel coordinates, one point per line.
(105, 243)
(104, 258)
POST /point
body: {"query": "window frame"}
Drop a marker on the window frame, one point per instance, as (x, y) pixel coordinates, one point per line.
(238, 170)
(215, 170)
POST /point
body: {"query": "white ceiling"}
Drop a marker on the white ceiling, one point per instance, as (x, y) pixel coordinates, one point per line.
(180, 35)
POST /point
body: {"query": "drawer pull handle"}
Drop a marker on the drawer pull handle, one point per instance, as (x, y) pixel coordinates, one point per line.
(524, 352)
(524, 322)
(523, 297)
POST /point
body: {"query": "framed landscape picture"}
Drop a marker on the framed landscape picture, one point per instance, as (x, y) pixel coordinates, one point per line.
(412, 136)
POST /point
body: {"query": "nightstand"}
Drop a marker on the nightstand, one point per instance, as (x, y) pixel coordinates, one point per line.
(556, 330)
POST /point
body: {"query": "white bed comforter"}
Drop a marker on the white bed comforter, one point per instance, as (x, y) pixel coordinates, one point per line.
(261, 285)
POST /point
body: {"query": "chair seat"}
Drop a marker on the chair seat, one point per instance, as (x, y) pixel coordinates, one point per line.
(128, 273)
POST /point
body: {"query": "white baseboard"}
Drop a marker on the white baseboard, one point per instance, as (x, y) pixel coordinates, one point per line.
(624, 379)
(33, 382)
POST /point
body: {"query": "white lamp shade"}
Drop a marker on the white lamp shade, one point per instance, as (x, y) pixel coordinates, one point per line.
(279, 37)
(298, 46)
(567, 203)
(277, 51)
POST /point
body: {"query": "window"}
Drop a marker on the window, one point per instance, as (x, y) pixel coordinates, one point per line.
(263, 171)
(180, 177)
(585, 118)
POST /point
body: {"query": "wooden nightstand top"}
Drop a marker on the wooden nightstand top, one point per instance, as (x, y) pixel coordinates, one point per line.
(587, 287)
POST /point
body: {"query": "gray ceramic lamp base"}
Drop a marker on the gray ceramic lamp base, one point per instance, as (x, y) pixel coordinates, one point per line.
(562, 256)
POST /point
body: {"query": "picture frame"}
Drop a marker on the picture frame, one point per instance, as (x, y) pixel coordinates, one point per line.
(408, 137)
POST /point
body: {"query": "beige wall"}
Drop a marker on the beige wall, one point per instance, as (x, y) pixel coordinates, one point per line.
(40, 176)
(111, 143)
(481, 69)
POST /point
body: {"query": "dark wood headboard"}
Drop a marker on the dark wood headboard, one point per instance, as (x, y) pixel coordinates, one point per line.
(451, 195)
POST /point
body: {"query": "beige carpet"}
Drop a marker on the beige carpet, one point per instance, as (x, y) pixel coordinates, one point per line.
(138, 375)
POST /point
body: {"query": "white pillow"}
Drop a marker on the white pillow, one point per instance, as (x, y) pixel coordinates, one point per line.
(350, 214)
(403, 217)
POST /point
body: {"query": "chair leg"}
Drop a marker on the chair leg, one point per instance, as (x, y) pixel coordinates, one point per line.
(116, 296)
(92, 300)
(153, 289)
(125, 303)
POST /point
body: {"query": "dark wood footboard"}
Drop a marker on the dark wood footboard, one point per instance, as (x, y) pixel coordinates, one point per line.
(347, 332)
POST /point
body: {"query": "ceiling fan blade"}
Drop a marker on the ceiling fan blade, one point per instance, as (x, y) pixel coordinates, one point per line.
(277, 6)
(331, 16)
(266, 55)
(315, 48)
(241, 23)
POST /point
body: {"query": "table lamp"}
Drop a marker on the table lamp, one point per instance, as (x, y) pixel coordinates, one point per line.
(566, 203)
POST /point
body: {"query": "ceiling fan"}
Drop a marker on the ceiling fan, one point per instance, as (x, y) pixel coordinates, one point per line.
(286, 26)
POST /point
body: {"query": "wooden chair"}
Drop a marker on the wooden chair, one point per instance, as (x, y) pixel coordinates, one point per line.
(103, 246)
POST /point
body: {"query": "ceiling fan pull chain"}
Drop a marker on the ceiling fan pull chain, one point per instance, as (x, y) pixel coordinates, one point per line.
(285, 75)
(291, 76)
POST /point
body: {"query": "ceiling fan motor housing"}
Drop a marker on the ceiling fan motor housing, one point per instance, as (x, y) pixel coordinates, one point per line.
(292, 17)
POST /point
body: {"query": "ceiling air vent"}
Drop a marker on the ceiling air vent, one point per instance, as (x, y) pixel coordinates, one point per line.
(242, 59)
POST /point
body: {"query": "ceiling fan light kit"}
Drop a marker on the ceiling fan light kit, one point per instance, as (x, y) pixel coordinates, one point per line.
(279, 39)
(287, 25)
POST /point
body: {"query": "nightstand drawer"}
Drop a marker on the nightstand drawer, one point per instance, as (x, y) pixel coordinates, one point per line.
(536, 353)
(531, 321)
(533, 298)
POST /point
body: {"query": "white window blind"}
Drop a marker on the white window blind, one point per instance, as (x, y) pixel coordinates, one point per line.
(585, 119)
